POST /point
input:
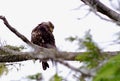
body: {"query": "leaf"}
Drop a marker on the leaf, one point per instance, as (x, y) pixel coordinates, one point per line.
(93, 55)
(56, 78)
(3, 69)
(37, 76)
(110, 71)
(71, 39)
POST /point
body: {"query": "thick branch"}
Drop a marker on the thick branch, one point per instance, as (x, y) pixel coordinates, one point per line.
(100, 7)
(38, 53)
(15, 56)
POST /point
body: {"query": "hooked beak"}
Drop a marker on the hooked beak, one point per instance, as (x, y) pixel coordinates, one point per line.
(51, 29)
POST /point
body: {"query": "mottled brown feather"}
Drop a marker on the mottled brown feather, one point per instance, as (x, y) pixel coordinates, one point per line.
(42, 36)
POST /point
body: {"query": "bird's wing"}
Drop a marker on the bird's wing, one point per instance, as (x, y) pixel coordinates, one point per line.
(36, 38)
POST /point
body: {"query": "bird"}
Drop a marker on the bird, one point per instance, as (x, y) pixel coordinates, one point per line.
(42, 35)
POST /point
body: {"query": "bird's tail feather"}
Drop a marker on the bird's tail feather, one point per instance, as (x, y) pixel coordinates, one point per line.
(45, 65)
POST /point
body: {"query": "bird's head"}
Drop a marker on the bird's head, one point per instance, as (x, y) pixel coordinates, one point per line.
(49, 25)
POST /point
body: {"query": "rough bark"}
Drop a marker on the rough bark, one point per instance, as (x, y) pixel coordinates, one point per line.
(16, 56)
(100, 7)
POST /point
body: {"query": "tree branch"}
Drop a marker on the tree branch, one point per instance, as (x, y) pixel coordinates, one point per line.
(38, 53)
(15, 56)
(22, 37)
(100, 7)
(15, 31)
(73, 68)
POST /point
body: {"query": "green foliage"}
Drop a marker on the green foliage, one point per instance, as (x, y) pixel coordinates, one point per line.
(37, 76)
(3, 52)
(92, 56)
(109, 71)
(3, 69)
(15, 48)
(3, 66)
(71, 39)
(56, 77)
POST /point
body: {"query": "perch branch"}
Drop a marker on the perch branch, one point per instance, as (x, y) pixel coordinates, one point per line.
(49, 54)
(39, 52)
(22, 37)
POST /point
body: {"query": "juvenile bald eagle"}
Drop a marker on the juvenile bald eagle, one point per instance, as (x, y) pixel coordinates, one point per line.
(42, 36)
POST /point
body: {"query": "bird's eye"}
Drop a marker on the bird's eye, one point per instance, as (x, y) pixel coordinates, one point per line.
(42, 29)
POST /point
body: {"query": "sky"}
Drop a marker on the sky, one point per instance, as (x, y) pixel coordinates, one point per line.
(24, 15)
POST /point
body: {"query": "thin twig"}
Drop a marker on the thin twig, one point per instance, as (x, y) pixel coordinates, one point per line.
(71, 67)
